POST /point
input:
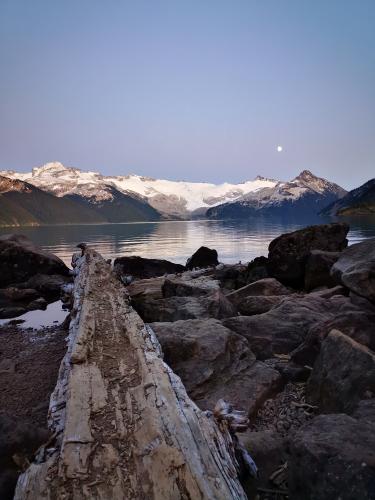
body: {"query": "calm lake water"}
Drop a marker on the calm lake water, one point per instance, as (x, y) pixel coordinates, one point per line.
(177, 240)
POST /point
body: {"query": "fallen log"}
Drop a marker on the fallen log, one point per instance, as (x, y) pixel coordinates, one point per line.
(123, 426)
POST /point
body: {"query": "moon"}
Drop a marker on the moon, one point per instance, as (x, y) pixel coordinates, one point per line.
(279, 149)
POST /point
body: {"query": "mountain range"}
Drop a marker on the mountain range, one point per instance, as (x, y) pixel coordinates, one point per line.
(303, 196)
(53, 194)
(169, 198)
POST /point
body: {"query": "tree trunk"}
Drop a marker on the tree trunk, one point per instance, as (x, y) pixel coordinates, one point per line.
(123, 426)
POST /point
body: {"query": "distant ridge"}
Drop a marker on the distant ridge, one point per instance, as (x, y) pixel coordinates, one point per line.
(22, 203)
(359, 201)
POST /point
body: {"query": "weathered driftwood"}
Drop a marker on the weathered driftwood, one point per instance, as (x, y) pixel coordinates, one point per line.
(124, 427)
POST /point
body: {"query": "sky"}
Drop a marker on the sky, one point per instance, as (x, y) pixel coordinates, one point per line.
(197, 90)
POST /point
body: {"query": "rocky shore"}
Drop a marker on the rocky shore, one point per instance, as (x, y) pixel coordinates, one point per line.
(288, 338)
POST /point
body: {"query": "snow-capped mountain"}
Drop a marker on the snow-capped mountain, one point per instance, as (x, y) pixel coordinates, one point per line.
(56, 194)
(171, 198)
(304, 195)
(60, 180)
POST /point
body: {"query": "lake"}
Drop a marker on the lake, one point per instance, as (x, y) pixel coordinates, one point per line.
(177, 240)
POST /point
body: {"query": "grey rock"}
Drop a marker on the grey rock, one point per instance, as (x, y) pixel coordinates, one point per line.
(268, 449)
(328, 293)
(37, 304)
(263, 287)
(343, 374)
(14, 294)
(214, 362)
(11, 311)
(258, 304)
(203, 257)
(356, 269)
(48, 285)
(20, 259)
(289, 252)
(180, 308)
(332, 457)
(285, 327)
(365, 410)
(147, 289)
(257, 270)
(230, 277)
(142, 268)
(187, 286)
(318, 269)
(353, 316)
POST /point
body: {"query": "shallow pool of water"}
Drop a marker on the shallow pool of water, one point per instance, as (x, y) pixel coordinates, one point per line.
(52, 316)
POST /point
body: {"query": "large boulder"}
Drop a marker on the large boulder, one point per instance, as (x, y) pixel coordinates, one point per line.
(47, 285)
(177, 308)
(258, 304)
(203, 257)
(365, 410)
(214, 362)
(230, 276)
(343, 374)
(141, 268)
(188, 286)
(289, 252)
(257, 269)
(264, 287)
(35, 293)
(147, 289)
(15, 302)
(327, 293)
(332, 457)
(258, 297)
(20, 437)
(268, 450)
(353, 316)
(20, 259)
(318, 269)
(355, 269)
(11, 311)
(12, 294)
(285, 327)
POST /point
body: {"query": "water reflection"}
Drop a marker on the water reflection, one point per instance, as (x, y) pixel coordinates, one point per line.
(177, 240)
(53, 315)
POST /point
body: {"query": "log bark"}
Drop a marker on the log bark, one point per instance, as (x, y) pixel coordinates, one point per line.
(123, 426)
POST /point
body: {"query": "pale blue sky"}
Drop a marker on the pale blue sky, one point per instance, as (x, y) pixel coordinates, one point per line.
(198, 90)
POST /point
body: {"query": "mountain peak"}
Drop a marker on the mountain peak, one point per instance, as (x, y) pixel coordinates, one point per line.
(308, 180)
(50, 167)
(306, 176)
